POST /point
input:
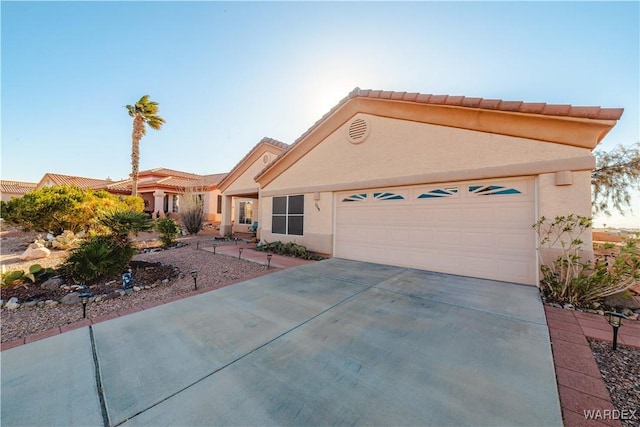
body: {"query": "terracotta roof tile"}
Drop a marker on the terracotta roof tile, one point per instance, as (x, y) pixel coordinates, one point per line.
(438, 99)
(423, 98)
(410, 96)
(398, 95)
(510, 105)
(454, 100)
(556, 110)
(386, 94)
(78, 181)
(532, 107)
(490, 104)
(471, 102)
(610, 113)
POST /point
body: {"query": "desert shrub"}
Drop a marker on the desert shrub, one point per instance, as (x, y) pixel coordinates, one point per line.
(193, 214)
(99, 256)
(55, 209)
(122, 222)
(570, 279)
(287, 249)
(168, 229)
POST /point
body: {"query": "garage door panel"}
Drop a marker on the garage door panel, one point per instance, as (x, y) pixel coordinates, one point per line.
(475, 231)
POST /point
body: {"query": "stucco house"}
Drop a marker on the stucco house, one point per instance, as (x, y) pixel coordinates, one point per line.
(444, 183)
(160, 188)
(240, 201)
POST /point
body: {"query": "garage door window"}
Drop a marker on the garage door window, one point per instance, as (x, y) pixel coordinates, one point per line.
(288, 215)
(492, 190)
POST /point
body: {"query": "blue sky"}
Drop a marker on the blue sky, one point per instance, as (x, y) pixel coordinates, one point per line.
(227, 74)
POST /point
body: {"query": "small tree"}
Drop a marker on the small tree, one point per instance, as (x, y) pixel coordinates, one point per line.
(616, 172)
(569, 278)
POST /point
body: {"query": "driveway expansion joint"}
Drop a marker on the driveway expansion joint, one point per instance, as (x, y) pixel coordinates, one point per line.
(96, 364)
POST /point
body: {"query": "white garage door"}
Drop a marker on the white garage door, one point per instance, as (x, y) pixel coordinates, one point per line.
(479, 229)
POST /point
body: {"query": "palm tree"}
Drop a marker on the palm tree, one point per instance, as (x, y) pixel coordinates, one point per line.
(144, 112)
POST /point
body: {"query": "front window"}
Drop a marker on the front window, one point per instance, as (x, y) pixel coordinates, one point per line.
(288, 215)
(175, 203)
(246, 213)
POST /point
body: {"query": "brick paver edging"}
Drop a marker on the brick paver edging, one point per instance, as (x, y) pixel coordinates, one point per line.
(580, 384)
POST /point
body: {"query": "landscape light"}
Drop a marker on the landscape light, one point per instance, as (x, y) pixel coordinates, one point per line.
(240, 253)
(194, 274)
(84, 297)
(269, 260)
(615, 320)
(215, 245)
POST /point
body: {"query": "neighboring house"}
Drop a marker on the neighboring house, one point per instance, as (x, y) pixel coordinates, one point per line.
(161, 189)
(240, 200)
(12, 189)
(443, 183)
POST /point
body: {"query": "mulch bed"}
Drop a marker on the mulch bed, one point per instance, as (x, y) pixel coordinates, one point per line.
(144, 273)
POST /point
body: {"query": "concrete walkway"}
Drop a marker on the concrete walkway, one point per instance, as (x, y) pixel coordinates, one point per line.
(335, 342)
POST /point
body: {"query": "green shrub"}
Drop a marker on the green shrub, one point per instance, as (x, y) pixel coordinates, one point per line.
(56, 209)
(569, 279)
(168, 229)
(288, 249)
(97, 257)
(122, 222)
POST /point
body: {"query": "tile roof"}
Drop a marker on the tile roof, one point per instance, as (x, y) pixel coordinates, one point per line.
(16, 187)
(542, 108)
(77, 181)
(214, 179)
(169, 172)
(480, 103)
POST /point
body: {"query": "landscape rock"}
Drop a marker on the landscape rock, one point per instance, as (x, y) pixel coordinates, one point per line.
(29, 304)
(568, 306)
(35, 251)
(165, 281)
(620, 300)
(12, 304)
(52, 284)
(51, 303)
(71, 298)
(136, 288)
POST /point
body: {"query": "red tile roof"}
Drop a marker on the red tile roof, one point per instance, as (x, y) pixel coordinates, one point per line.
(16, 187)
(467, 102)
(76, 181)
(169, 172)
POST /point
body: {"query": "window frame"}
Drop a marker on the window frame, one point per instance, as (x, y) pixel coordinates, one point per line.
(293, 210)
(242, 212)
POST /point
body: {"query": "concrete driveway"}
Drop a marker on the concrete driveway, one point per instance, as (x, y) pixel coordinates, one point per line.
(331, 343)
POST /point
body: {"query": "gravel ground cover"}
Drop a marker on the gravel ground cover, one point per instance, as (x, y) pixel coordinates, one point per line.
(621, 372)
(214, 271)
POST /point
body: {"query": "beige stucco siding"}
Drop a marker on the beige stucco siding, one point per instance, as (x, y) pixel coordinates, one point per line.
(400, 148)
(318, 222)
(245, 182)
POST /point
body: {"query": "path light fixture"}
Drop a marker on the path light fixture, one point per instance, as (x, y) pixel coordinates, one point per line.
(194, 274)
(615, 320)
(215, 245)
(84, 298)
(236, 239)
(240, 253)
(269, 260)
(197, 245)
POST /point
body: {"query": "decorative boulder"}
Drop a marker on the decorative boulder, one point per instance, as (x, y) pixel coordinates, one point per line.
(12, 304)
(71, 298)
(52, 284)
(35, 251)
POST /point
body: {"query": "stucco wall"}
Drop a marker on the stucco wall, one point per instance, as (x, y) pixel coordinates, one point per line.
(396, 148)
(318, 223)
(245, 181)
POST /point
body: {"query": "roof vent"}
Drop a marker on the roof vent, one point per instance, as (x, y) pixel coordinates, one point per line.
(358, 130)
